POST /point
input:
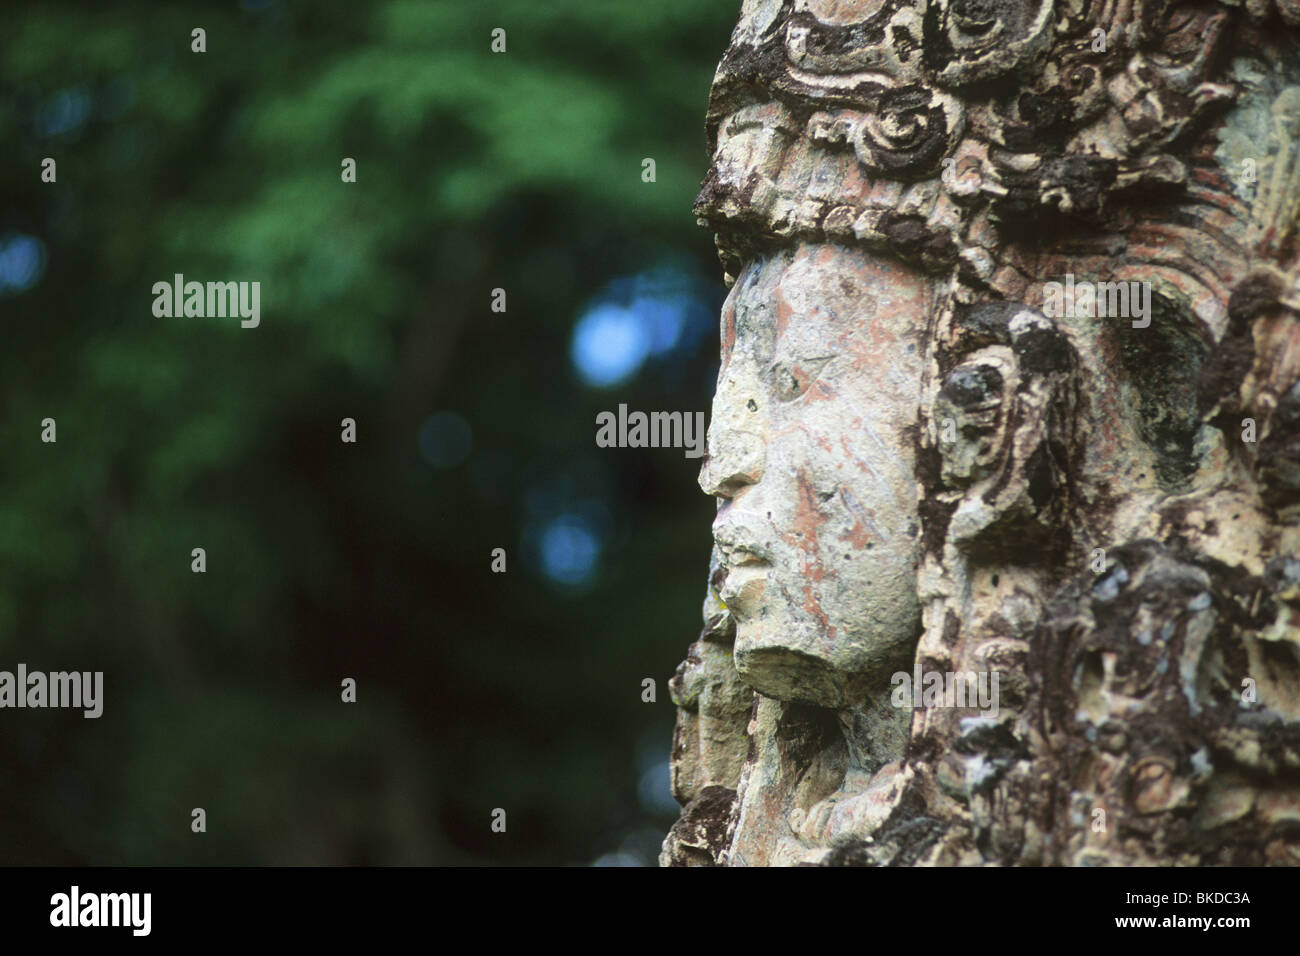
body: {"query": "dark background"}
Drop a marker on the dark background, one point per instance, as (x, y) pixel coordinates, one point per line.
(326, 560)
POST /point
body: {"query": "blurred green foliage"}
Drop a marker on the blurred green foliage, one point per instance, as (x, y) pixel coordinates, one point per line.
(475, 171)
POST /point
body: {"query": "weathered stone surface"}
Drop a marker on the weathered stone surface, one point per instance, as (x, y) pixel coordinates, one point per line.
(926, 466)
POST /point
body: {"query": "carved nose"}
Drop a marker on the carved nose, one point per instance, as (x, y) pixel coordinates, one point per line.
(736, 446)
(734, 462)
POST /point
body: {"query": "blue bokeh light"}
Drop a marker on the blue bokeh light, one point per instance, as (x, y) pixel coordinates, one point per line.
(637, 318)
(446, 440)
(655, 789)
(569, 548)
(663, 320)
(63, 112)
(609, 345)
(22, 262)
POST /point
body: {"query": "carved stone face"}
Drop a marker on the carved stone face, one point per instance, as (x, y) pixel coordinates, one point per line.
(811, 453)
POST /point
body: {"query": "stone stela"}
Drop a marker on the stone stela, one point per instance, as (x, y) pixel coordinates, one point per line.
(923, 464)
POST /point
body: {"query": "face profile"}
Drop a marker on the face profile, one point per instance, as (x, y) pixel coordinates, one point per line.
(812, 457)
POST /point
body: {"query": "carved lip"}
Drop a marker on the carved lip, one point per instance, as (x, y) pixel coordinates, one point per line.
(745, 580)
(743, 587)
(745, 558)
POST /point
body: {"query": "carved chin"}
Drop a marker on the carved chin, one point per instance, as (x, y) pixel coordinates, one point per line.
(788, 674)
(801, 665)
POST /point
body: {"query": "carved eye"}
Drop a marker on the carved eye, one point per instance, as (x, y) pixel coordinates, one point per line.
(791, 379)
(970, 387)
(974, 16)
